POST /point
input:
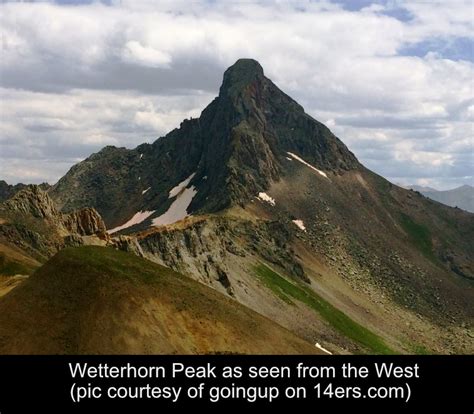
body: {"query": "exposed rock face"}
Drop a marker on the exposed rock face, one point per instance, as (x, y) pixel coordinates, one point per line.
(85, 222)
(33, 201)
(7, 191)
(127, 244)
(31, 221)
(38, 244)
(236, 149)
(73, 240)
(199, 251)
(207, 250)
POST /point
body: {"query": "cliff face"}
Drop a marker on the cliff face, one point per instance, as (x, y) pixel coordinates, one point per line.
(235, 149)
(84, 222)
(216, 250)
(33, 201)
(7, 191)
(31, 222)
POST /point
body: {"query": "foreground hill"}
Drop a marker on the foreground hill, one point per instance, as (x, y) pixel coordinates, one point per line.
(96, 300)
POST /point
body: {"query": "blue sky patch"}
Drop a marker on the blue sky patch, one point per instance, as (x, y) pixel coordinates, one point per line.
(459, 48)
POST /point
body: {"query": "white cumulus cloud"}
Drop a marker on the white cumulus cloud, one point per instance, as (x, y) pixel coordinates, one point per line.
(75, 78)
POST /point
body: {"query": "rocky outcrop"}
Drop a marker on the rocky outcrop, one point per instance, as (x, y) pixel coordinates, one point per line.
(127, 244)
(32, 201)
(73, 240)
(85, 222)
(37, 244)
(208, 250)
(199, 251)
(31, 221)
(8, 191)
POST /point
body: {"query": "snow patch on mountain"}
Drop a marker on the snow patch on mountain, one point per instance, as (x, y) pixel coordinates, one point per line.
(178, 210)
(267, 198)
(136, 219)
(317, 345)
(300, 224)
(145, 191)
(308, 164)
(181, 186)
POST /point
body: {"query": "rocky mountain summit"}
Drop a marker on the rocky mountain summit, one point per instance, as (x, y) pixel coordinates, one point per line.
(264, 204)
(233, 151)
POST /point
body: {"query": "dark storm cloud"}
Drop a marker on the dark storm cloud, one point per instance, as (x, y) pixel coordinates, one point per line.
(57, 76)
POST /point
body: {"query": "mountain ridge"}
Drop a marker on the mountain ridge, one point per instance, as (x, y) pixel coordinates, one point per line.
(264, 204)
(250, 116)
(8, 190)
(460, 197)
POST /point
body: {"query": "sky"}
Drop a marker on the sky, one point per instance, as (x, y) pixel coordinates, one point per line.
(392, 79)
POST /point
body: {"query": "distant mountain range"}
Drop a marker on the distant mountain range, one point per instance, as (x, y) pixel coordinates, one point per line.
(258, 201)
(7, 190)
(461, 197)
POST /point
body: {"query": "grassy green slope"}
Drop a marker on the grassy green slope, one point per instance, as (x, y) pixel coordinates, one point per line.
(292, 291)
(420, 236)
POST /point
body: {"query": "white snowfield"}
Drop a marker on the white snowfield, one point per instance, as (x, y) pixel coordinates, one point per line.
(300, 224)
(141, 156)
(289, 159)
(178, 210)
(322, 349)
(307, 164)
(136, 219)
(181, 186)
(267, 198)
